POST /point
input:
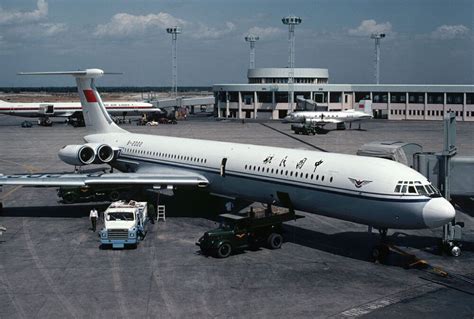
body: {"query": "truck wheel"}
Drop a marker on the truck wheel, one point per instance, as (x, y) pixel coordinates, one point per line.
(224, 250)
(114, 196)
(275, 241)
(70, 198)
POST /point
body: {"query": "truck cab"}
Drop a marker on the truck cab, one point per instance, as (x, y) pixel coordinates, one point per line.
(125, 223)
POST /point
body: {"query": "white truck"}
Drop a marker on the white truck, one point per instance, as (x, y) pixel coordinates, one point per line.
(124, 224)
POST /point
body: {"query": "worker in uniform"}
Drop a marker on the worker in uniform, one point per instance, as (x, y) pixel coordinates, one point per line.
(93, 216)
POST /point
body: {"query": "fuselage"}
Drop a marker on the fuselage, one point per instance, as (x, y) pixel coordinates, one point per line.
(359, 189)
(67, 109)
(327, 117)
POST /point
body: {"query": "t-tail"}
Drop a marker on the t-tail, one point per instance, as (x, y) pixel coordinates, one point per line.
(365, 106)
(96, 118)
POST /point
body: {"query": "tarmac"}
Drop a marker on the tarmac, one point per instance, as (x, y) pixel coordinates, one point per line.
(51, 265)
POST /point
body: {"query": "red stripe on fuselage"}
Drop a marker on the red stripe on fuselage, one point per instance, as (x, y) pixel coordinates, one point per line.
(90, 96)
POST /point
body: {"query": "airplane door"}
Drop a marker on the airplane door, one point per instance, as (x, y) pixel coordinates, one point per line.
(285, 200)
(47, 109)
(223, 163)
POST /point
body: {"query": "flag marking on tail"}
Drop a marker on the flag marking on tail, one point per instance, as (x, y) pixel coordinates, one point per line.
(90, 96)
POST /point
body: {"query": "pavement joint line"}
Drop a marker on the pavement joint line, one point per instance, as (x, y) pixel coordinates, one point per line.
(117, 282)
(10, 295)
(43, 271)
(388, 300)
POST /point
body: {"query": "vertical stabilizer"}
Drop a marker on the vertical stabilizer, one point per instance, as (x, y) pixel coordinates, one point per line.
(96, 118)
(365, 106)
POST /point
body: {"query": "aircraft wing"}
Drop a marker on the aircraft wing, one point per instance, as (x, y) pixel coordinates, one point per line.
(155, 179)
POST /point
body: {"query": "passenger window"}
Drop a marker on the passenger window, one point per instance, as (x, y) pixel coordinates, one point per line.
(291, 173)
(322, 178)
(330, 180)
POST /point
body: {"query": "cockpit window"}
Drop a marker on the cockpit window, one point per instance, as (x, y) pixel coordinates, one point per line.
(416, 188)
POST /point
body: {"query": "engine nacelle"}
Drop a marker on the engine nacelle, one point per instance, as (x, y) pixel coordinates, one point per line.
(92, 153)
(103, 153)
(77, 154)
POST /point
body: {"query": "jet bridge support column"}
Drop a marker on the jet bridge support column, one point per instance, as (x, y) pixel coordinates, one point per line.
(452, 232)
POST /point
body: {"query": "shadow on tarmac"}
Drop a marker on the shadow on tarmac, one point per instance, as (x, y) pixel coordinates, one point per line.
(358, 245)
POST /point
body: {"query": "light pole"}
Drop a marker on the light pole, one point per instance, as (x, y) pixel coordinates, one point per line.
(377, 37)
(174, 31)
(291, 21)
(252, 39)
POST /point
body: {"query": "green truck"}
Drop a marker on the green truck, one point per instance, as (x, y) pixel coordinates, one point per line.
(304, 128)
(237, 232)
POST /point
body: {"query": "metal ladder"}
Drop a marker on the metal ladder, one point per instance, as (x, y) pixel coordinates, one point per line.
(161, 209)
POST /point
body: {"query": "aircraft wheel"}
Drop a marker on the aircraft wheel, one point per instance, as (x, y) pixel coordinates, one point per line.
(455, 251)
(380, 253)
(224, 250)
(275, 241)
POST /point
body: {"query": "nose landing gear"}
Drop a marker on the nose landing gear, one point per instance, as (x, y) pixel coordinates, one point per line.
(380, 251)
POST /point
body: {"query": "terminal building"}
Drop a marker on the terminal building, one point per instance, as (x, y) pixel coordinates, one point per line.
(265, 96)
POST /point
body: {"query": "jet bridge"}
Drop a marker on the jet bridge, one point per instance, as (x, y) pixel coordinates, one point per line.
(453, 175)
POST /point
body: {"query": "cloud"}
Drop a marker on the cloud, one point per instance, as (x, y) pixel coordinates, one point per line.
(51, 29)
(266, 33)
(448, 32)
(125, 25)
(17, 17)
(367, 27)
(205, 32)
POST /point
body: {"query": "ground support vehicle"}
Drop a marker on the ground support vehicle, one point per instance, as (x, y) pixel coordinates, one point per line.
(245, 231)
(125, 223)
(71, 195)
(305, 129)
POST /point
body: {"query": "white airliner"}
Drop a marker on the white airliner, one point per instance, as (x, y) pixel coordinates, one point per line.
(322, 118)
(44, 111)
(371, 191)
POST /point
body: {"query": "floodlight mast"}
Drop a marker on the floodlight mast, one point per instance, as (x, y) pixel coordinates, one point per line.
(377, 37)
(291, 21)
(174, 31)
(252, 39)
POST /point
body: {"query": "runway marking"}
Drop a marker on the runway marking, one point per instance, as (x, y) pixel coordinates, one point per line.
(39, 265)
(11, 296)
(387, 301)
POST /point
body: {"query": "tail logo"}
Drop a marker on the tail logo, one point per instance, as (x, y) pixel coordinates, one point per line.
(358, 183)
(90, 96)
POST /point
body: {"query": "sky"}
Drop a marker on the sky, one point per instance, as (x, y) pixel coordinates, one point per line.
(427, 41)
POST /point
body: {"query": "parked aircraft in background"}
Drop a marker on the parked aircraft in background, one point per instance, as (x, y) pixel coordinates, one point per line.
(72, 110)
(371, 191)
(320, 119)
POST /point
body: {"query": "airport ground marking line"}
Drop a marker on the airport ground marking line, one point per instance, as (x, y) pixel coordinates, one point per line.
(294, 137)
(389, 300)
(5, 195)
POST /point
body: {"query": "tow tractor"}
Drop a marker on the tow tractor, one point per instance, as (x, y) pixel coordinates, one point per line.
(245, 231)
(125, 223)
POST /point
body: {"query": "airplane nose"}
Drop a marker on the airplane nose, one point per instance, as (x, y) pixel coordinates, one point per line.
(438, 212)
